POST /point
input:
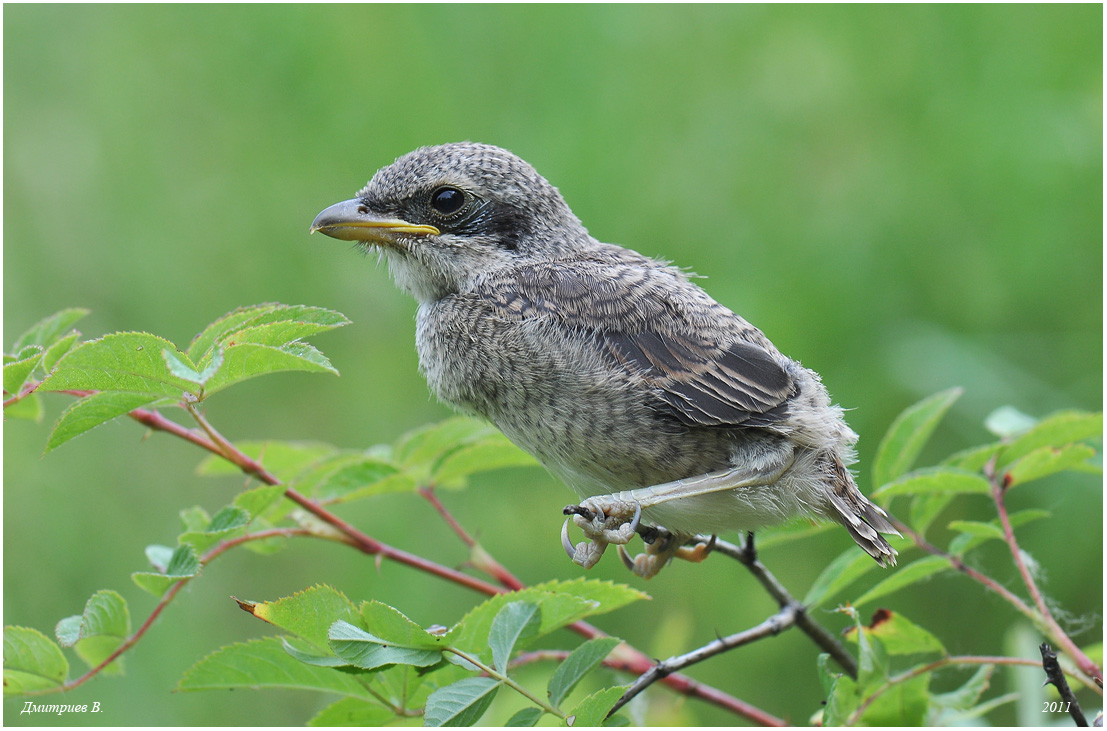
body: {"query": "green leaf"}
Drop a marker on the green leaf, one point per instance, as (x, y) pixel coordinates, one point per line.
(91, 411)
(905, 576)
(1058, 429)
(298, 320)
(967, 696)
(283, 459)
(494, 451)
(561, 602)
(28, 408)
(908, 434)
(1046, 461)
(898, 635)
(55, 351)
(353, 712)
(933, 480)
(843, 699)
(974, 458)
(257, 500)
(421, 450)
(17, 372)
(68, 630)
(394, 628)
(306, 652)
(925, 508)
(264, 664)
(347, 476)
(246, 361)
(49, 330)
(461, 703)
(903, 705)
(525, 717)
(791, 531)
(159, 557)
(308, 614)
(183, 565)
(368, 652)
(224, 525)
(974, 533)
(842, 571)
(594, 709)
(516, 622)
(1008, 422)
(579, 663)
(976, 528)
(32, 662)
(104, 626)
(128, 361)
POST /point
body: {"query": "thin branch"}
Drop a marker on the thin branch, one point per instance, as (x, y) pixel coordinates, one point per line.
(747, 556)
(1056, 677)
(774, 625)
(999, 491)
(478, 557)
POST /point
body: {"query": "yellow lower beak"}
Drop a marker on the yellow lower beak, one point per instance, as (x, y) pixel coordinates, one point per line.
(350, 221)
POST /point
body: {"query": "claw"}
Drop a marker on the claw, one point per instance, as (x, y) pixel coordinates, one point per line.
(627, 560)
(566, 543)
(637, 517)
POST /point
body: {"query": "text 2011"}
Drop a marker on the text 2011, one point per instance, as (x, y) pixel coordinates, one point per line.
(1056, 706)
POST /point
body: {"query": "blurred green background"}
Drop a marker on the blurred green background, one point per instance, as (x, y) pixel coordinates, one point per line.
(904, 198)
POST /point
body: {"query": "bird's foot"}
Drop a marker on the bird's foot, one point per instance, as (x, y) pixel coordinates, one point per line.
(603, 522)
(661, 550)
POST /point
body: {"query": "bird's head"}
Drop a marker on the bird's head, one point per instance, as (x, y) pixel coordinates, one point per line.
(444, 216)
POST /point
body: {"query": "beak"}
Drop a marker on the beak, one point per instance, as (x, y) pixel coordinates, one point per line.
(351, 221)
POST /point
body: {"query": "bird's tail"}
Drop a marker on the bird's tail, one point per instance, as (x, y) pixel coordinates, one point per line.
(864, 520)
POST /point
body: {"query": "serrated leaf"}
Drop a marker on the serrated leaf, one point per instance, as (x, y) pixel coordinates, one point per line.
(308, 614)
(223, 525)
(899, 635)
(905, 576)
(48, 330)
(68, 631)
(561, 602)
(967, 696)
(127, 361)
(792, 531)
(840, 573)
(594, 709)
(1058, 429)
(974, 458)
(460, 704)
(904, 705)
(245, 361)
(28, 408)
(933, 480)
(367, 651)
(525, 717)
(1046, 461)
(32, 662)
(183, 565)
(264, 664)
(310, 654)
(159, 557)
(925, 508)
(976, 528)
(105, 625)
(489, 453)
(842, 700)
(57, 349)
(422, 448)
(350, 475)
(578, 664)
(974, 533)
(195, 519)
(389, 624)
(353, 712)
(16, 373)
(1008, 422)
(91, 411)
(309, 319)
(257, 500)
(516, 622)
(908, 434)
(283, 459)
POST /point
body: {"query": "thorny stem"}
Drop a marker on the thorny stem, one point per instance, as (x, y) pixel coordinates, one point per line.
(999, 485)
(1056, 676)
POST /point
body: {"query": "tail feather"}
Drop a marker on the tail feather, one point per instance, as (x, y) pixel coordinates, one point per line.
(865, 522)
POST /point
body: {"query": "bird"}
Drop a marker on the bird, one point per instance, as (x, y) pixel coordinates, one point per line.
(671, 416)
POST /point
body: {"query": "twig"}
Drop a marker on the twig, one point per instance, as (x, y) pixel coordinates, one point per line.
(999, 491)
(1056, 677)
(478, 557)
(774, 625)
(747, 556)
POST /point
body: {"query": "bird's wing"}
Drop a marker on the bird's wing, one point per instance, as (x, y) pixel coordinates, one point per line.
(711, 367)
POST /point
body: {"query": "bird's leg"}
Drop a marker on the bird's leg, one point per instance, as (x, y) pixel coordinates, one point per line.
(614, 518)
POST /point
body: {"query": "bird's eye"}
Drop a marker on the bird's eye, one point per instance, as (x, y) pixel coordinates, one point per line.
(447, 201)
